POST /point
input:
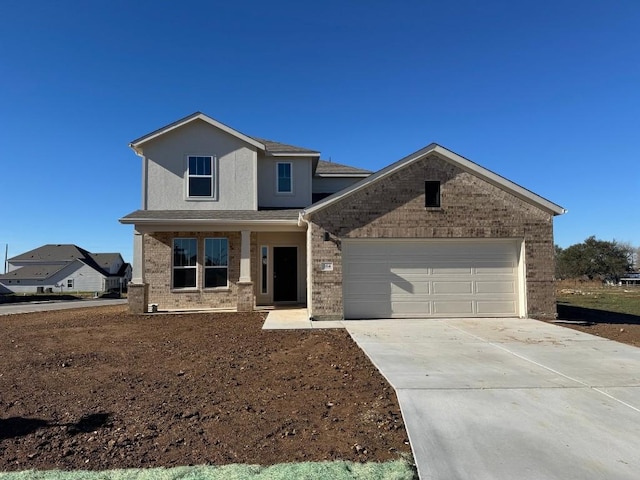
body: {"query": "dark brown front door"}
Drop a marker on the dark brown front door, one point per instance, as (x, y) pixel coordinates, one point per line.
(285, 274)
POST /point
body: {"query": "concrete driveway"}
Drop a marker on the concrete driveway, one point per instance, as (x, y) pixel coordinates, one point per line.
(510, 398)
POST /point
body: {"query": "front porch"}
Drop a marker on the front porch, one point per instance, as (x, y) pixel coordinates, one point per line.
(219, 267)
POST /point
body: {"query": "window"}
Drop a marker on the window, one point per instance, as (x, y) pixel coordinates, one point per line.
(264, 268)
(201, 181)
(70, 283)
(185, 256)
(285, 182)
(432, 193)
(216, 262)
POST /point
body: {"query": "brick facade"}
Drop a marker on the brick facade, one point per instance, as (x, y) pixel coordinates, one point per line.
(394, 207)
(158, 271)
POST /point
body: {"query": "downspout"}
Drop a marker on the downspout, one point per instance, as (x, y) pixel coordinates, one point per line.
(301, 221)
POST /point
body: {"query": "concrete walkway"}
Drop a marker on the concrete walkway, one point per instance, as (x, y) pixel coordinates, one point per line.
(510, 398)
(295, 318)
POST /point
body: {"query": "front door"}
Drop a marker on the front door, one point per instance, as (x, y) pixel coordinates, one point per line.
(285, 274)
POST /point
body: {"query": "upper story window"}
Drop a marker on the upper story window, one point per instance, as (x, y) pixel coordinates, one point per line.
(201, 177)
(283, 177)
(432, 193)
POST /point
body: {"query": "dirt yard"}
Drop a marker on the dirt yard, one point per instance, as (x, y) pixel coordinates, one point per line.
(100, 389)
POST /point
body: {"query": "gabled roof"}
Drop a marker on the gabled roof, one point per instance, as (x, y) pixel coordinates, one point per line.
(105, 260)
(332, 169)
(268, 146)
(448, 156)
(138, 142)
(52, 253)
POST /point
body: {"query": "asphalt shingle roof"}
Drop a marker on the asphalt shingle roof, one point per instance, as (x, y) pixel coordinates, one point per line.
(32, 272)
(277, 147)
(332, 168)
(52, 253)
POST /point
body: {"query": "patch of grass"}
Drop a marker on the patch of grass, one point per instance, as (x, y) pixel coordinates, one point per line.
(608, 299)
(394, 470)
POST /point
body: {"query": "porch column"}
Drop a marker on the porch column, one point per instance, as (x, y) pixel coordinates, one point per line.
(138, 291)
(246, 298)
(245, 257)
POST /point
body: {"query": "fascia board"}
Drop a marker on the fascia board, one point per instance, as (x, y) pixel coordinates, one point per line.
(292, 154)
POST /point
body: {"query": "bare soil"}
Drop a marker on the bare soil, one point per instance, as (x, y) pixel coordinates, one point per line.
(101, 389)
(628, 333)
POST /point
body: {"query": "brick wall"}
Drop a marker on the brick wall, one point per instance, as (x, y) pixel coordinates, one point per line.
(394, 208)
(158, 265)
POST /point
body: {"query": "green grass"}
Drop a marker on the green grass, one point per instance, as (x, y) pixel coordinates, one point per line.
(395, 470)
(609, 299)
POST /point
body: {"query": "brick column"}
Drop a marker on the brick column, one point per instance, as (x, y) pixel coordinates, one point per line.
(138, 295)
(246, 299)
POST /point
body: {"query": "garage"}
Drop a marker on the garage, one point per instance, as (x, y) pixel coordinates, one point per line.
(402, 278)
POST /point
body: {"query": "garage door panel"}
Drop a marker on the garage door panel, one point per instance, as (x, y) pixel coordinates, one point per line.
(497, 308)
(452, 288)
(410, 307)
(414, 288)
(451, 270)
(486, 287)
(393, 278)
(453, 307)
(369, 287)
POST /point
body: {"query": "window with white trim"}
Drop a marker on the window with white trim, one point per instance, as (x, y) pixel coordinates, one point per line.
(216, 262)
(201, 178)
(284, 179)
(185, 262)
(70, 283)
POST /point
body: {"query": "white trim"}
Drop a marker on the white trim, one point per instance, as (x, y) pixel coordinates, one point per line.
(343, 175)
(214, 178)
(288, 192)
(264, 280)
(191, 118)
(292, 154)
(452, 158)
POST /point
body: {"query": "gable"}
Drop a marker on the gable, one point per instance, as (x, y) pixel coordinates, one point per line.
(434, 150)
(394, 206)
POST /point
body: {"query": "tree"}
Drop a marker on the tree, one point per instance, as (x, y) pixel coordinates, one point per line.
(594, 258)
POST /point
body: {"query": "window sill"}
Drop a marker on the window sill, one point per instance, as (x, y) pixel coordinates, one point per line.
(201, 199)
(216, 289)
(434, 209)
(185, 290)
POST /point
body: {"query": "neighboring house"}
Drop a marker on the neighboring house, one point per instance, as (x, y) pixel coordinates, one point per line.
(65, 268)
(234, 221)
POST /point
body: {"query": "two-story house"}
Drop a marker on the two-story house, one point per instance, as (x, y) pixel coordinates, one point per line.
(234, 221)
(65, 268)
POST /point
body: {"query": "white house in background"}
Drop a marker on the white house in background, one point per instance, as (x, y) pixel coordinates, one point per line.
(65, 268)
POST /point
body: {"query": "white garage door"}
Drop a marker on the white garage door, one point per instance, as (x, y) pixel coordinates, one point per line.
(407, 278)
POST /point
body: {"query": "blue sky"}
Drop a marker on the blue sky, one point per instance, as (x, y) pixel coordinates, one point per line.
(544, 93)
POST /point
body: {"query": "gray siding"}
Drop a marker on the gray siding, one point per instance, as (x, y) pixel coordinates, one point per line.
(301, 174)
(166, 158)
